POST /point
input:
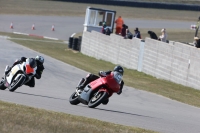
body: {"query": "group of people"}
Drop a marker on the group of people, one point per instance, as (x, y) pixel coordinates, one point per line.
(162, 37)
(123, 30)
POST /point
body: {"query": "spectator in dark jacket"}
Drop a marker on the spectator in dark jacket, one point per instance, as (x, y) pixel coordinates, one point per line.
(129, 35)
(197, 42)
(104, 26)
(123, 31)
(152, 35)
(105, 29)
(137, 33)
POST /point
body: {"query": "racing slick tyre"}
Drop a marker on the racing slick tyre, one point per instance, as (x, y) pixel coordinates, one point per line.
(16, 83)
(74, 99)
(97, 99)
(2, 87)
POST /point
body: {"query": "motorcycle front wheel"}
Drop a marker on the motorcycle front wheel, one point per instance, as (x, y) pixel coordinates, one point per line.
(74, 99)
(97, 99)
(2, 86)
(16, 83)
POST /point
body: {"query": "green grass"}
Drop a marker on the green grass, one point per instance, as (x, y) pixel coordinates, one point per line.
(59, 8)
(21, 119)
(132, 78)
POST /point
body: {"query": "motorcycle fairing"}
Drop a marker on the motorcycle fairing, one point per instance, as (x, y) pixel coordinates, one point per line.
(16, 77)
(29, 69)
(84, 97)
(96, 83)
(13, 72)
(112, 83)
(109, 81)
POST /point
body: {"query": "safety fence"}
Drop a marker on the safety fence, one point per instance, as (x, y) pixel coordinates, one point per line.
(174, 62)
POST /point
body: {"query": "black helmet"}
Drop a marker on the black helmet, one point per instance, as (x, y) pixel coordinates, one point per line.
(39, 59)
(119, 69)
(31, 62)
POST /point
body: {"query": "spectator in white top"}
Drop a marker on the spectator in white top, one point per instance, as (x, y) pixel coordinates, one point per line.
(163, 37)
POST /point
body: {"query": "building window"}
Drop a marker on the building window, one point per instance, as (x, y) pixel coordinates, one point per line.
(100, 18)
(109, 19)
(92, 17)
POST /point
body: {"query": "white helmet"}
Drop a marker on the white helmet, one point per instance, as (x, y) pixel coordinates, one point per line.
(40, 59)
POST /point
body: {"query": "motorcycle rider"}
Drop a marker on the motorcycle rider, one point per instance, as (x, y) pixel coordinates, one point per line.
(38, 60)
(91, 77)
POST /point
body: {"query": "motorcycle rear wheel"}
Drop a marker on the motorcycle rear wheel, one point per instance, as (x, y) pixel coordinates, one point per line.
(2, 86)
(15, 84)
(96, 100)
(74, 99)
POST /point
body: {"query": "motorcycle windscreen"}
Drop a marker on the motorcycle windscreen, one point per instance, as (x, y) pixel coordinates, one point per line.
(29, 70)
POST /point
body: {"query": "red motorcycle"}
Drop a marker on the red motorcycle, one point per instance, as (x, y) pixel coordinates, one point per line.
(97, 91)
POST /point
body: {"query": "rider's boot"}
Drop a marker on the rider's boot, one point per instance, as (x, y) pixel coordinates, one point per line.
(80, 85)
(87, 80)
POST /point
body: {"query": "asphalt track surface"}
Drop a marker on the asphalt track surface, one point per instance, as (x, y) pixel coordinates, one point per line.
(66, 26)
(133, 107)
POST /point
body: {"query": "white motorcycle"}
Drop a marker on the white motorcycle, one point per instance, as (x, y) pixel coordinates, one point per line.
(19, 75)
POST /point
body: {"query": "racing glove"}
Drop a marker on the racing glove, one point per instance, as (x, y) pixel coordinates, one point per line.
(121, 87)
(102, 74)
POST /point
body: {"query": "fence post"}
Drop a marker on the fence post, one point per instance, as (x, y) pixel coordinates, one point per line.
(140, 58)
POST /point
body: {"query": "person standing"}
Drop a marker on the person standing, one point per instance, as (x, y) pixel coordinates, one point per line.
(104, 26)
(119, 22)
(137, 33)
(163, 37)
(197, 42)
(152, 35)
(129, 35)
(105, 29)
(123, 30)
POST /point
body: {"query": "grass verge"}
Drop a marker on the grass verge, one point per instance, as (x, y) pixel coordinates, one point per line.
(19, 119)
(132, 78)
(22, 119)
(61, 8)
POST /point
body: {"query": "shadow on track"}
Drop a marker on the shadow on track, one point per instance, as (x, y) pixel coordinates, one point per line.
(115, 111)
(123, 112)
(40, 96)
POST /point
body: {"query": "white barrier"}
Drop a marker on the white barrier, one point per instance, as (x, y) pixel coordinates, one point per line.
(159, 59)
